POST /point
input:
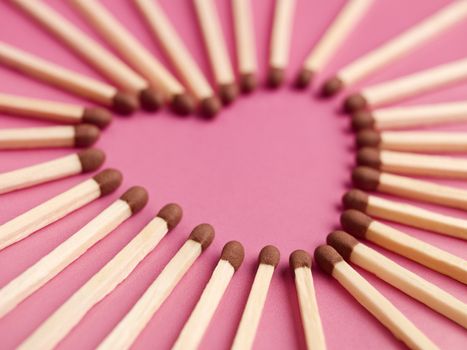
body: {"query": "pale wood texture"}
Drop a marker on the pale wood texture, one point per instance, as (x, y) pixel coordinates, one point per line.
(244, 36)
(21, 138)
(281, 33)
(424, 141)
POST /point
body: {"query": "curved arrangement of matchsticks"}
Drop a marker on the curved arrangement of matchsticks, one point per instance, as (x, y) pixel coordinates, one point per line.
(385, 158)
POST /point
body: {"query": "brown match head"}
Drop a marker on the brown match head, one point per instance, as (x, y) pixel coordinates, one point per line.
(86, 135)
(203, 234)
(332, 87)
(362, 120)
(368, 156)
(91, 159)
(182, 104)
(342, 242)
(365, 178)
(248, 82)
(355, 199)
(234, 253)
(124, 104)
(327, 257)
(275, 77)
(172, 214)
(299, 258)
(210, 106)
(368, 138)
(97, 116)
(136, 197)
(355, 103)
(151, 100)
(303, 78)
(355, 222)
(269, 255)
(228, 93)
(108, 180)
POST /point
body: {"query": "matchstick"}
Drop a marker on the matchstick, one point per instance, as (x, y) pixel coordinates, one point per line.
(129, 328)
(300, 262)
(131, 202)
(414, 141)
(163, 30)
(92, 53)
(68, 80)
(198, 322)
(53, 111)
(369, 179)
(408, 86)
(280, 41)
(214, 42)
(77, 163)
(20, 227)
(410, 116)
(347, 19)
(371, 299)
(362, 226)
(406, 214)
(245, 44)
(268, 259)
(397, 48)
(69, 314)
(140, 59)
(399, 277)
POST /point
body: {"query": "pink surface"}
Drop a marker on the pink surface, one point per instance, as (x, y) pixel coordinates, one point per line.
(270, 170)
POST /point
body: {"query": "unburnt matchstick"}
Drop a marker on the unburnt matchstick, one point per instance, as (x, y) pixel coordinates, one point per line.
(163, 30)
(140, 59)
(362, 226)
(396, 48)
(280, 41)
(68, 80)
(65, 318)
(300, 263)
(371, 299)
(92, 53)
(328, 45)
(77, 163)
(194, 329)
(408, 282)
(128, 329)
(268, 259)
(18, 228)
(21, 287)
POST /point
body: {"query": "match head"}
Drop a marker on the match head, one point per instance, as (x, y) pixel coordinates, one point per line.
(269, 255)
(355, 222)
(368, 138)
(303, 78)
(355, 199)
(91, 159)
(234, 253)
(275, 77)
(151, 100)
(342, 242)
(172, 214)
(327, 257)
(370, 157)
(248, 82)
(86, 135)
(228, 93)
(210, 106)
(366, 178)
(355, 103)
(97, 116)
(182, 104)
(362, 120)
(124, 104)
(299, 258)
(136, 197)
(332, 87)
(108, 180)
(203, 234)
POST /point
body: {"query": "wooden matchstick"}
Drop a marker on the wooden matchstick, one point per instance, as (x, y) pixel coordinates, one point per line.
(20, 227)
(216, 49)
(328, 45)
(128, 329)
(92, 53)
(371, 299)
(397, 48)
(82, 162)
(175, 49)
(69, 314)
(410, 116)
(369, 179)
(140, 59)
(68, 80)
(268, 259)
(194, 329)
(300, 262)
(131, 202)
(408, 282)
(280, 41)
(406, 214)
(362, 226)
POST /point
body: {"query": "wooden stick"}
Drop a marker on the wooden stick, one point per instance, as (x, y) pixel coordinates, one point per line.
(128, 329)
(300, 262)
(59, 168)
(280, 41)
(194, 329)
(69, 314)
(63, 255)
(68, 80)
(20, 227)
(399, 277)
(349, 16)
(268, 259)
(362, 226)
(400, 46)
(371, 299)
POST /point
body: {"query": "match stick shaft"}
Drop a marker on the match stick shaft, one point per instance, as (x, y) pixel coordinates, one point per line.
(56, 136)
(244, 36)
(281, 33)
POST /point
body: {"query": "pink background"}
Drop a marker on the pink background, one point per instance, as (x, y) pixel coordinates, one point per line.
(270, 170)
